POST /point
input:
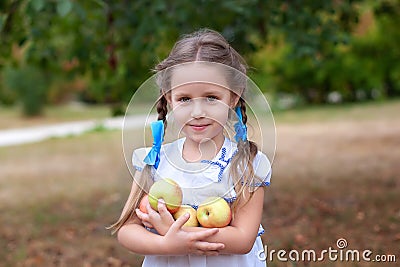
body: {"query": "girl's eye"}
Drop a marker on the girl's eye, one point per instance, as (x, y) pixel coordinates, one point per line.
(184, 99)
(211, 98)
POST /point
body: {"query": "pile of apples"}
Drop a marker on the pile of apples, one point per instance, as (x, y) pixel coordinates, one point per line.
(213, 212)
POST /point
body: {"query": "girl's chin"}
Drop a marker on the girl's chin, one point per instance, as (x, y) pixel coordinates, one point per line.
(203, 139)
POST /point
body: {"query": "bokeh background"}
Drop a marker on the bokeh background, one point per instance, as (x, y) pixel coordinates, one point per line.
(329, 69)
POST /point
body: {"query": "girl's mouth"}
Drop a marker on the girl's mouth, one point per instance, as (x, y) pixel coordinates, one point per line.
(199, 127)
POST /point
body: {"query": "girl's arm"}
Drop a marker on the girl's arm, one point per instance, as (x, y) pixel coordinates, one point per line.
(240, 235)
(176, 241)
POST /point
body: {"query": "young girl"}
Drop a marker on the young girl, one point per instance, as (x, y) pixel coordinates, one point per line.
(202, 82)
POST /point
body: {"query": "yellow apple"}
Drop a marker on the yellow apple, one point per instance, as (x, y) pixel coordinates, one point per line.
(187, 209)
(214, 212)
(169, 191)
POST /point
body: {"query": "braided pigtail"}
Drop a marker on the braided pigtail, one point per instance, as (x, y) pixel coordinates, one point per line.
(162, 109)
(243, 172)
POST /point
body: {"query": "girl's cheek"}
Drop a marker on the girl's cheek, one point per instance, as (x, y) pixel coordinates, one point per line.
(219, 109)
(180, 109)
(180, 114)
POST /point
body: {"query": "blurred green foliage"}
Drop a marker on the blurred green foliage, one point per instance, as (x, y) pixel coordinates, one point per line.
(30, 85)
(102, 50)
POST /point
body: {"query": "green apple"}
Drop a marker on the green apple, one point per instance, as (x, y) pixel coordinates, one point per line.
(214, 212)
(169, 191)
(187, 209)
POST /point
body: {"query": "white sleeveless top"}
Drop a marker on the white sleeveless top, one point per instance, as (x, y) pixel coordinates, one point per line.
(201, 180)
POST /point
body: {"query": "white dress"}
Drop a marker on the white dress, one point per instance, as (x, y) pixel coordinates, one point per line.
(199, 181)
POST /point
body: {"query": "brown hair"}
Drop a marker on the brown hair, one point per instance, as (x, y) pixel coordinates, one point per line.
(209, 46)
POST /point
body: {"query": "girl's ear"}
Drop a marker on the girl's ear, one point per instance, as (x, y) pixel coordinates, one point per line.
(168, 97)
(234, 100)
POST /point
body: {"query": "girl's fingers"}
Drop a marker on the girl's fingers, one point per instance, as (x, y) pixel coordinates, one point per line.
(162, 209)
(152, 214)
(149, 208)
(205, 234)
(141, 215)
(144, 218)
(179, 222)
(209, 247)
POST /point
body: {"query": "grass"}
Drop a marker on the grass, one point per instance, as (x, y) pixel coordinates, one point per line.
(336, 175)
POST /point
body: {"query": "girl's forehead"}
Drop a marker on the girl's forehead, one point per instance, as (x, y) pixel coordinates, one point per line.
(197, 89)
(198, 73)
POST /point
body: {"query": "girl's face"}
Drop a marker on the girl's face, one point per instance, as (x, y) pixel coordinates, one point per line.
(201, 110)
(200, 103)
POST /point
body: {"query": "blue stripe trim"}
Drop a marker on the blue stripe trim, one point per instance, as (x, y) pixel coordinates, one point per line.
(263, 183)
(222, 162)
(230, 199)
(138, 168)
(261, 232)
(259, 184)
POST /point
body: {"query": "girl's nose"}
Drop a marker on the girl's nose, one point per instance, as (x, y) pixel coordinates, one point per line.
(197, 109)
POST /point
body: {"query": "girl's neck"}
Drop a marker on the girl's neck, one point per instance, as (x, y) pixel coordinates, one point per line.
(206, 150)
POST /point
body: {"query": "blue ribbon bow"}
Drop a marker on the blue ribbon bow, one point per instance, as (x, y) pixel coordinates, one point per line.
(240, 128)
(153, 157)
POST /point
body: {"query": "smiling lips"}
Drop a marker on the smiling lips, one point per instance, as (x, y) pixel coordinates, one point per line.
(198, 127)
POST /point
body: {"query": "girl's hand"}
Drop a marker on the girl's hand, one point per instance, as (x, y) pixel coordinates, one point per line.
(161, 220)
(181, 242)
